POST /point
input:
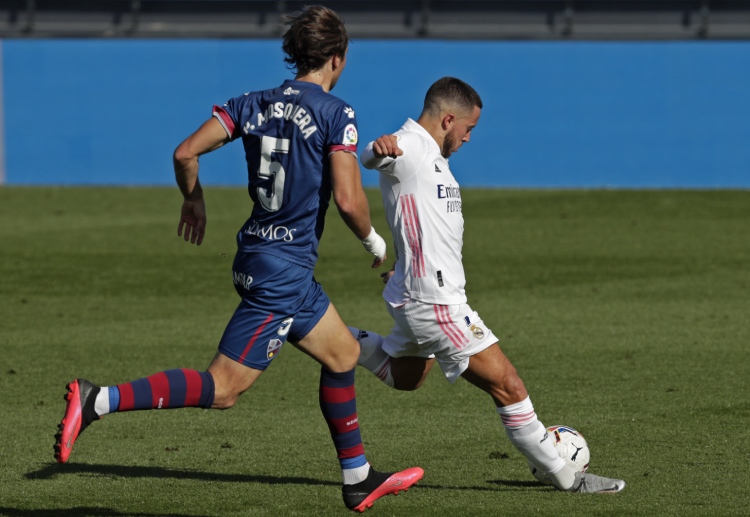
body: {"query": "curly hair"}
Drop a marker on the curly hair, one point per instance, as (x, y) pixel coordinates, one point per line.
(315, 34)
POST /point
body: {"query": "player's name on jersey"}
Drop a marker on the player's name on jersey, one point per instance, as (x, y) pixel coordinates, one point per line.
(288, 111)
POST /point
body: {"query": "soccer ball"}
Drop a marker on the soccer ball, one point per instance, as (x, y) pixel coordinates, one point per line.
(570, 445)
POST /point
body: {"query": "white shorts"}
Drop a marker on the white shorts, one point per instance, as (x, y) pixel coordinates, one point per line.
(449, 333)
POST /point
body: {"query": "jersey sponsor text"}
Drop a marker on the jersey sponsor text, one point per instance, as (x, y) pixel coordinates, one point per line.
(448, 191)
(242, 279)
(271, 232)
(452, 194)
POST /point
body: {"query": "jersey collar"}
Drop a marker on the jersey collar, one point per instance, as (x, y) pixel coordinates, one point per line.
(301, 84)
(412, 125)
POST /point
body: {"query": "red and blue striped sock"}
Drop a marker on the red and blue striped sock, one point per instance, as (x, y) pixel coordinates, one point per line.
(170, 389)
(338, 402)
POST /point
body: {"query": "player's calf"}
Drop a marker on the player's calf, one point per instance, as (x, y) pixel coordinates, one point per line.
(409, 373)
(87, 402)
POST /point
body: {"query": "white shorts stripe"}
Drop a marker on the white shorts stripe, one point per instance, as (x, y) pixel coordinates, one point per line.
(456, 329)
(437, 331)
(448, 327)
(447, 331)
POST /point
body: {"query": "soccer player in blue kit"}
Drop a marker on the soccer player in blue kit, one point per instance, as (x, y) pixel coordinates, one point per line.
(300, 145)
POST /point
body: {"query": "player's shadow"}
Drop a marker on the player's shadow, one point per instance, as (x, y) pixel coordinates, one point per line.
(519, 484)
(56, 469)
(505, 484)
(82, 512)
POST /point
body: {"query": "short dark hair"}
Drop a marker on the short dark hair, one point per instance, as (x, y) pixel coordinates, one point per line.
(315, 34)
(452, 92)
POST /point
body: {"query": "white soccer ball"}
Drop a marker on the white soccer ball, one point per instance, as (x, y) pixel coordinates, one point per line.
(570, 445)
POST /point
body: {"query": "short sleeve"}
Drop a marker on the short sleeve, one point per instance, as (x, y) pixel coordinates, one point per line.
(343, 134)
(229, 116)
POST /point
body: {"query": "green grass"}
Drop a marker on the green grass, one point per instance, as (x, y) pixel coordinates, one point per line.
(627, 314)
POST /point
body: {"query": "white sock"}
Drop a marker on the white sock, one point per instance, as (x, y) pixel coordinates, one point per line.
(372, 356)
(530, 437)
(354, 476)
(101, 405)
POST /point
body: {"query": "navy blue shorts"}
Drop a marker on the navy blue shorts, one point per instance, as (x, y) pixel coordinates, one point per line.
(280, 300)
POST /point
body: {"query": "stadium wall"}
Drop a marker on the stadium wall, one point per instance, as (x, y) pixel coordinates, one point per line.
(557, 114)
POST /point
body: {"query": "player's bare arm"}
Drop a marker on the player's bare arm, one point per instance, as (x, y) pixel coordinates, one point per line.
(210, 136)
(352, 203)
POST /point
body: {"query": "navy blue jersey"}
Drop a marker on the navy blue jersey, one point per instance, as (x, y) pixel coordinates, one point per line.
(288, 133)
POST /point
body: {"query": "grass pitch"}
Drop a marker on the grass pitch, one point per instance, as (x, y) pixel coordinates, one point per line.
(627, 313)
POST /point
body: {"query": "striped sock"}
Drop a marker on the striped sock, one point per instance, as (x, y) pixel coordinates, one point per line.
(372, 356)
(529, 435)
(338, 402)
(164, 390)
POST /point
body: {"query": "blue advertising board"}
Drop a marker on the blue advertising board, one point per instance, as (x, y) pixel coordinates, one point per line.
(556, 114)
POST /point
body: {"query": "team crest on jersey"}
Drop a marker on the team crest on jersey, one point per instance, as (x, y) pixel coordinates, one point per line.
(477, 331)
(350, 135)
(273, 347)
(349, 112)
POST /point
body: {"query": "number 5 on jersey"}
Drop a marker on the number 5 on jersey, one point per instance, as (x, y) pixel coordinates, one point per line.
(271, 199)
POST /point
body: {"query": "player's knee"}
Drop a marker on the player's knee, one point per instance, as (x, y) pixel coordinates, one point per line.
(343, 360)
(349, 361)
(341, 365)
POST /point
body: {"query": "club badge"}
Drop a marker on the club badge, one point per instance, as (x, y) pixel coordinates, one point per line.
(273, 347)
(477, 331)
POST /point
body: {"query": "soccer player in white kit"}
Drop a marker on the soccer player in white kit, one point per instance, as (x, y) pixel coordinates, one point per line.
(425, 292)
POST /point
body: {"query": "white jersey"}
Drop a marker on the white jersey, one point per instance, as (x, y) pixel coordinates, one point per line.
(423, 205)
